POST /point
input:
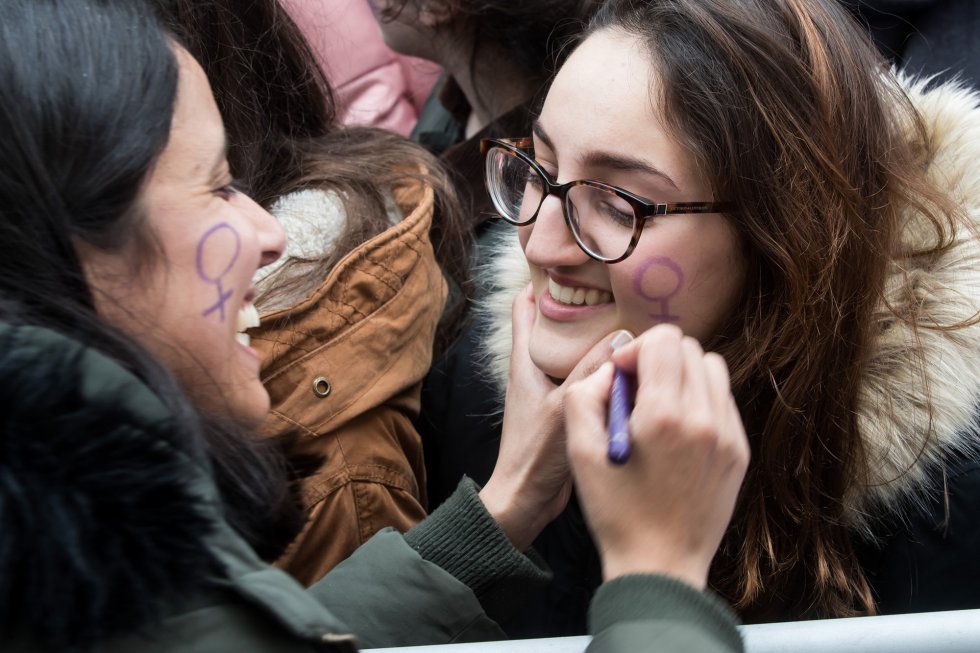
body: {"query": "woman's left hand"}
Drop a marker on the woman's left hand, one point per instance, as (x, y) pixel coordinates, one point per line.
(531, 482)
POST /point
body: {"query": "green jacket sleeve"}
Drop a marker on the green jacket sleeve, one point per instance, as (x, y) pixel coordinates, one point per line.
(660, 615)
(435, 584)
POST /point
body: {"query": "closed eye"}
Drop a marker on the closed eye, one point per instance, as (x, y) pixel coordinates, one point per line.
(230, 189)
(618, 214)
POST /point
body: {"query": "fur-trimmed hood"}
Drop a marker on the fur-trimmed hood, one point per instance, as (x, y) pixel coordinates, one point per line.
(111, 525)
(102, 517)
(893, 419)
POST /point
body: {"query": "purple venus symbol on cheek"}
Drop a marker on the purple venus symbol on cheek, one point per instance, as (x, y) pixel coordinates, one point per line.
(661, 287)
(209, 268)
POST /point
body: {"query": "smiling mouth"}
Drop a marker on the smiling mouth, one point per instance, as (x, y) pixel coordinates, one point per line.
(248, 317)
(578, 296)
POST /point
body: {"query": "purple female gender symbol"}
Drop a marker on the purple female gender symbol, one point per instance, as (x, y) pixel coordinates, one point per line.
(223, 295)
(640, 274)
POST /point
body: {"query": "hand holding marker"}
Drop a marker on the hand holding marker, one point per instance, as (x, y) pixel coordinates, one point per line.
(620, 408)
(687, 447)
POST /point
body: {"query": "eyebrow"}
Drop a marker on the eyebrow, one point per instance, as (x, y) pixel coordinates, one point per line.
(598, 159)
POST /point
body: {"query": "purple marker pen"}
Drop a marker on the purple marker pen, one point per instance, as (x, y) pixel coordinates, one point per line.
(620, 407)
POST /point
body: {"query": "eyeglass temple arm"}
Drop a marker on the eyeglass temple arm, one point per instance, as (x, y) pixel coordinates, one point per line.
(521, 143)
(680, 208)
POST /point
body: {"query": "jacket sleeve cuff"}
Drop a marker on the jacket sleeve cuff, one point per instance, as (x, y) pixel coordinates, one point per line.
(462, 538)
(656, 598)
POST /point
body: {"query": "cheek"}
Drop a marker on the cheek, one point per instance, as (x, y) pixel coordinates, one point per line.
(216, 256)
(198, 309)
(523, 235)
(654, 283)
(649, 291)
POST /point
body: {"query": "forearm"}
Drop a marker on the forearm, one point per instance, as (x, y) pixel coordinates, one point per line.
(463, 538)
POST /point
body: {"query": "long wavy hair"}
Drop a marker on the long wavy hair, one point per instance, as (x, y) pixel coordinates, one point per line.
(788, 109)
(283, 135)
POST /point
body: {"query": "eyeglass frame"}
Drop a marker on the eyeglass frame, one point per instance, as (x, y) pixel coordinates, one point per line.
(643, 209)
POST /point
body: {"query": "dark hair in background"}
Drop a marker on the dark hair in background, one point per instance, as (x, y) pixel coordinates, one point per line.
(280, 118)
(270, 94)
(788, 109)
(534, 34)
(87, 91)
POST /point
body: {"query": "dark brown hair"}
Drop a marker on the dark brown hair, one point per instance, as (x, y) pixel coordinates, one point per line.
(789, 111)
(280, 118)
(86, 109)
(532, 34)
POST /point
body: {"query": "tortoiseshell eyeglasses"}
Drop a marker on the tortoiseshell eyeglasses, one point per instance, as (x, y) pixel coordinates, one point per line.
(605, 220)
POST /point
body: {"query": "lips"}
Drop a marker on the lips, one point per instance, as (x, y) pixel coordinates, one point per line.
(578, 296)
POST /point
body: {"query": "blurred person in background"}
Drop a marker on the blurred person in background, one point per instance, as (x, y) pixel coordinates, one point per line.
(374, 86)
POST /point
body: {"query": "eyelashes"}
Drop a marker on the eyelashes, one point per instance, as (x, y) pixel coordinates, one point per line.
(230, 189)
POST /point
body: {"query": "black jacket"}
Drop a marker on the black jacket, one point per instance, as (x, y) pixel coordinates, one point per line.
(927, 37)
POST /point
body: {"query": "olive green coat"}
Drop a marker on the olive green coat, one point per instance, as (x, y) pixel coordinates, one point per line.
(113, 534)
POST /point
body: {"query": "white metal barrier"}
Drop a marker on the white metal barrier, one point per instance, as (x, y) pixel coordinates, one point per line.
(939, 632)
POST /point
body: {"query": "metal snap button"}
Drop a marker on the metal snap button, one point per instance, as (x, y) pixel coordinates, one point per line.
(321, 387)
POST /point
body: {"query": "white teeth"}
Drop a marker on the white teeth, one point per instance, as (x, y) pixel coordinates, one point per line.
(248, 317)
(578, 296)
(554, 289)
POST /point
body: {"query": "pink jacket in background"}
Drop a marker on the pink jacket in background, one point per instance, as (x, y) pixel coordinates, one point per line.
(373, 84)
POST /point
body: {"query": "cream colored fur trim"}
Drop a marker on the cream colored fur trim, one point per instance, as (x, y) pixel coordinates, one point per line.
(892, 415)
(509, 274)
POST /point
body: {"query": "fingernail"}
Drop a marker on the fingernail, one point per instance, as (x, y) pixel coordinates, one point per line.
(621, 338)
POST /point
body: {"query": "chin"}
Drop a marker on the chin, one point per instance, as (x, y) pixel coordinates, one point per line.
(557, 354)
(246, 406)
(252, 415)
(557, 365)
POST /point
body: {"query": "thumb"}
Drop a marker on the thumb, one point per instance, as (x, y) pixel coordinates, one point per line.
(586, 403)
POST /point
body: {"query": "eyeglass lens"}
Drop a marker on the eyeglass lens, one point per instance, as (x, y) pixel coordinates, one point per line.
(601, 221)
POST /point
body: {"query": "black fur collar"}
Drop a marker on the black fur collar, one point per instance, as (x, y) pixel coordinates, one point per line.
(102, 527)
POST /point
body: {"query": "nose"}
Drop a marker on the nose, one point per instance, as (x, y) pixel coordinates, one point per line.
(548, 242)
(270, 234)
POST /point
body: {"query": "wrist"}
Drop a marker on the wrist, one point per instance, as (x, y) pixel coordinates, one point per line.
(514, 520)
(689, 569)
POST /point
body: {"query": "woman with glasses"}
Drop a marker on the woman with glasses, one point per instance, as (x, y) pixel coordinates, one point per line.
(135, 503)
(752, 174)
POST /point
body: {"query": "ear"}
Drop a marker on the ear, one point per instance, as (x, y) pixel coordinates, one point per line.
(436, 13)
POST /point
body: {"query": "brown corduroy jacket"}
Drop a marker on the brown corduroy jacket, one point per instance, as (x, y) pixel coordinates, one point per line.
(344, 368)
